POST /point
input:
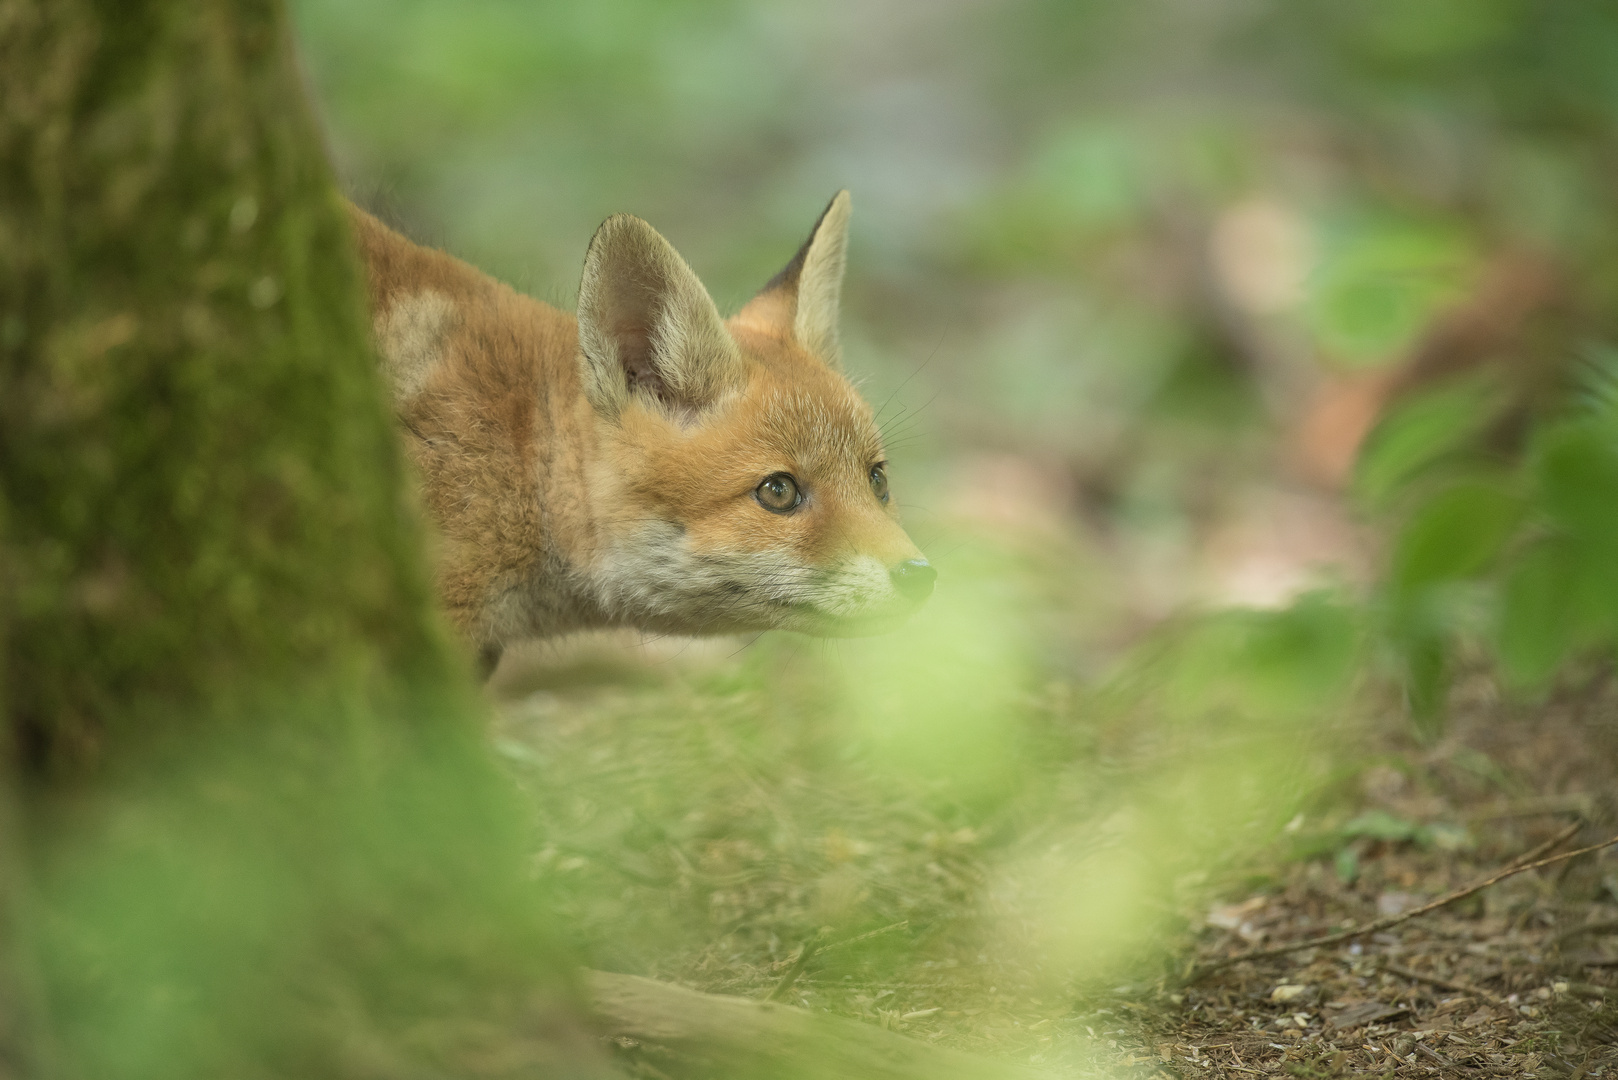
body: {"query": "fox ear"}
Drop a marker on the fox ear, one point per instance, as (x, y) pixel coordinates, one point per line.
(648, 327)
(804, 297)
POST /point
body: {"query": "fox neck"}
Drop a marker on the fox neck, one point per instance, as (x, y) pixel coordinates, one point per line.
(486, 385)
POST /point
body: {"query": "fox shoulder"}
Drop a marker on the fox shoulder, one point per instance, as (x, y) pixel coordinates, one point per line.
(417, 299)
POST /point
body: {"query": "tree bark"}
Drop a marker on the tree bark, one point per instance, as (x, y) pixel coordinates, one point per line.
(249, 825)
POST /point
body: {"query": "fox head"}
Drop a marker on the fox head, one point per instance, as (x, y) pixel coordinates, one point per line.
(742, 483)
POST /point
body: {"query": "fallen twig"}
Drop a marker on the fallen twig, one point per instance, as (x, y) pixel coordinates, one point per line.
(1562, 1064)
(805, 952)
(1523, 864)
(902, 924)
(1550, 845)
(742, 1037)
(1434, 1055)
(1578, 804)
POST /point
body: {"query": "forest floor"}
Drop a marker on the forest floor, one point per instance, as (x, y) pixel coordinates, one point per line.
(1516, 980)
(701, 831)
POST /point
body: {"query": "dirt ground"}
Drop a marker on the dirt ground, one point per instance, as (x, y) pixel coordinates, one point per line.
(1515, 981)
(704, 833)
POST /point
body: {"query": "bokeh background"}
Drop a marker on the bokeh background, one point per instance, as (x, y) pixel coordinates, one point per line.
(1145, 268)
(1227, 351)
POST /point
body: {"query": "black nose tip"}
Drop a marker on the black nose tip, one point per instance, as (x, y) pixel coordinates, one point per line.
(914, 579)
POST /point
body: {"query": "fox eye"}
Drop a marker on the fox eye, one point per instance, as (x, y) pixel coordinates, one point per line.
(778, 493)
(879, 480)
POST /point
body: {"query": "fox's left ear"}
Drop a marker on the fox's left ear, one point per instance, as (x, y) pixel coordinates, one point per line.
(804, 297)
(647, 327)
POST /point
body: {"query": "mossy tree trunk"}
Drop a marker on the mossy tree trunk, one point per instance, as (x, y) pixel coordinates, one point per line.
(249, 828)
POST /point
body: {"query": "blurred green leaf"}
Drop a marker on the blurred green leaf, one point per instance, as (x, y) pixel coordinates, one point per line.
(1434, 29)
(1380, 284)
(1421, 432)
(1393, 829)
(1426, 677)
(1262, 664)
(1455, 535)
(1596, 383)
(1381, 825)
(1536, 630)
(1451, 538)
(1446, 836)
(1305, 655)
(1576, 466)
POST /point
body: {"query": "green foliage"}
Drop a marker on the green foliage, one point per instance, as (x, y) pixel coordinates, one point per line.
(1453, 536)
(1562, 594)
(1508, 551)
(1261, 665)
(1381, 281)
(1538, 620)
(1517, 559)
(1424, 433)
(1344, 844)
(1392, 829)
(263, 908)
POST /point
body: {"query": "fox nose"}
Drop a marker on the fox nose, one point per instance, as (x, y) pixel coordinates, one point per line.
(914, 579)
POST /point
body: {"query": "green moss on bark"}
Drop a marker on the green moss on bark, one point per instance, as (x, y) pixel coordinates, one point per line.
(203, 490)
(260, 833)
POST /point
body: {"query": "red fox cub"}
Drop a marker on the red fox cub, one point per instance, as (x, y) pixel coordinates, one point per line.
(646, 463)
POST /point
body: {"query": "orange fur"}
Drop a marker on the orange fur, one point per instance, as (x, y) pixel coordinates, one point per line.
(602, 470)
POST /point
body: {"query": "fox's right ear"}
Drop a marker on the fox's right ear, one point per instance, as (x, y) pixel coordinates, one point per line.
(804, 298)
(647, 327)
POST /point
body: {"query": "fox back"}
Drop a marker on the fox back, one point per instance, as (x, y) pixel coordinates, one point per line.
(644, 463)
